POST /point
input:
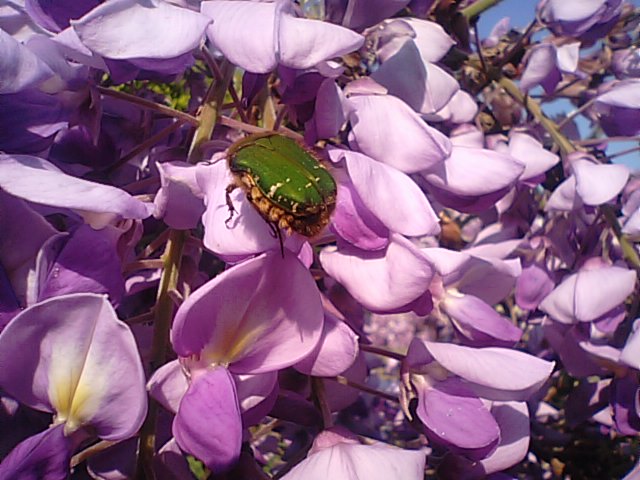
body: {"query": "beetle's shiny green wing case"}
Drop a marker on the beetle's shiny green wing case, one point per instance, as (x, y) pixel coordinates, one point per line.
(287, 174)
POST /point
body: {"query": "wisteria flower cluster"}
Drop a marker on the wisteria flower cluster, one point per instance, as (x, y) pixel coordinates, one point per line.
(320, 239)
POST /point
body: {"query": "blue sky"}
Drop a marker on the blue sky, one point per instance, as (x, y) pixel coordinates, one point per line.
(521, 12)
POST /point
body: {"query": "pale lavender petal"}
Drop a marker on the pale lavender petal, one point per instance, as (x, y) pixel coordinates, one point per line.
(387, 130)
(359, 14)
(541, 68)
(343, 458)
(329, 113)
(564, 197)
(44, 456)
(473, 171)
(179, 200)
(303, 43)
(478, 323)
(254, 23)
(208, 424)
(246, 233)
(77, 359)
(336, 351)
(589, 294)
(597, 184)
(39, 181)
(113, 29)
(264, 329)
(257, 394)
(431, 39)
(462, 108)
(456, 418)
(75, 50)
(568, 57)
(20, 68)
(623, 94)
(632, 225)
(381, 281)
(531, 153)
(379, 185)
(514, 373)
(513, 420)
(168, 385)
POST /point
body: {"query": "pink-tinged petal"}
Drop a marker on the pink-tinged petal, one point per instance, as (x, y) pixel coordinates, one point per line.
(513, 420)
(353, 221)
(39, 181)
(589, 294)
(597, 184)
(208, 424)
(168, 384)
(179, 201)
(246, 233)
(44, 456)
(430, 38)
(541, 68)
(379, 185)
(386, 129)
(113, 29)
(533, 286)
(72, 355)
(337, 455)
(631, 352)
(478, 323)
(257, 395)
(20, 68)
(530, 152)
(381, 281)
(63, 265)
(265, 328)
(254, 23)
(303, 43)
(456, 418)
(336, 351)
(473, 171)
(516, 374)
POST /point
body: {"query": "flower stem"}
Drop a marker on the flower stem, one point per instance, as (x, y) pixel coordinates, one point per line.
(381, 351)
(476, 8)
(172, 258)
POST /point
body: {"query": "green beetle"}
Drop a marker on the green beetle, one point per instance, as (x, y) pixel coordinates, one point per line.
(284, 181)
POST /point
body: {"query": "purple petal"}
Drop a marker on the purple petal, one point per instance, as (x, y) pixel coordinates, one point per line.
(513, 420)
(430, 38)
(168, 384)
(19, 67)
(472, 171)
(264, 329)
(39, 181)
(631, 352)
(624, 398)
(72, 355)
(336, 351)
(353, 221)
(456, 418)
(564, 197)
(64, 267)
(257, 395)
(478, 323)
(541, 68)
(113, 29)
(597, 184)
(516, 374)
(45, 456)
(360, 14)
(381, 281)
(208, 424)
(379, 185)
(533, 286)
(530, 152)
(387, 130)
(589, 294)
(329, 113)
(55, 16)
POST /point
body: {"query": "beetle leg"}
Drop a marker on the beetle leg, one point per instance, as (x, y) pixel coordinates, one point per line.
(230, 188)
(277, 233)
